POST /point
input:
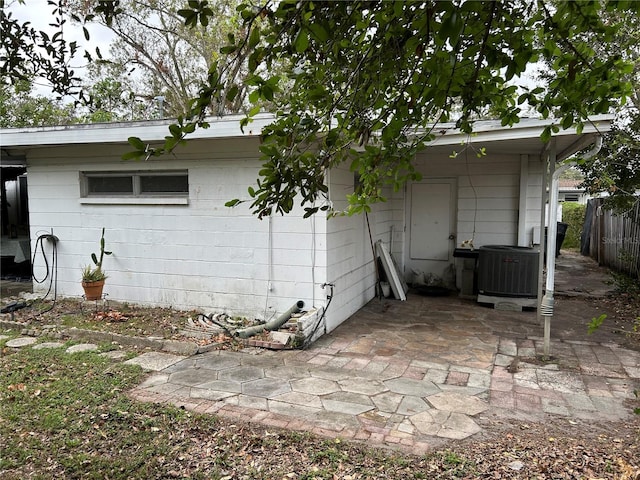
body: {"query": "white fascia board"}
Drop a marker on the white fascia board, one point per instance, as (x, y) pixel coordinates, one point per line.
(151, 131)
(489, 131)
(229, 127)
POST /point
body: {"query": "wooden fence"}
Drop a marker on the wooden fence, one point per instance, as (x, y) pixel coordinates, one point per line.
(612, 240)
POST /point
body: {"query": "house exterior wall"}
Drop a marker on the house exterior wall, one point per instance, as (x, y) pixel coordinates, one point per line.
(578, 196)
(491, 184)
(205, 256)
(488, 195)
(533, 196)
(201, 255)
(350, 259)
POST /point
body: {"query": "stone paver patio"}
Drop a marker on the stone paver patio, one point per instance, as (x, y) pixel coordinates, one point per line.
(412, 402)
(410, 373)
(407, 374)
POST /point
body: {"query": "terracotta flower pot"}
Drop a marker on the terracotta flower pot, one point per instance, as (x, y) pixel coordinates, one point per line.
(93, 290)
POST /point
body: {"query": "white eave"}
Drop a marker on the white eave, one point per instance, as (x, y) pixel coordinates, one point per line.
(523, 137)
(147, 131)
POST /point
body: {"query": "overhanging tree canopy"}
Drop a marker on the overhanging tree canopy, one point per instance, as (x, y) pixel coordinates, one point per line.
(377, 76)
(155, 55)
(368, 79)
(616, 168)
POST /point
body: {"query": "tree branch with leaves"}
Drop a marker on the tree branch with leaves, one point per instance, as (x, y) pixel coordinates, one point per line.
(362, 82)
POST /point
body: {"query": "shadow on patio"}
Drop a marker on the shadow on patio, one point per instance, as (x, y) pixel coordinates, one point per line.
(463, 332)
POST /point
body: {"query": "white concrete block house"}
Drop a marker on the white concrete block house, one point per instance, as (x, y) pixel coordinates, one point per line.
(176, 244)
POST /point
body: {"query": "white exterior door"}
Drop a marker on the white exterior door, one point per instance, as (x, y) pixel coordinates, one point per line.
(431, 223)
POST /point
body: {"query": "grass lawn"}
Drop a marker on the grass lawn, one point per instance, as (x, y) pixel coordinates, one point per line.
(68, 416)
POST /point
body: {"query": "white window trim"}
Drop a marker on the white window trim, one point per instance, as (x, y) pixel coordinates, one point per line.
(136, 198)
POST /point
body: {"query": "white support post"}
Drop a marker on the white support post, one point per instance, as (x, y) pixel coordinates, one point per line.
(547, 310)
(543, 202)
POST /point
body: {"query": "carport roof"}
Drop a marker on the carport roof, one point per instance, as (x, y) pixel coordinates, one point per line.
(522, 138)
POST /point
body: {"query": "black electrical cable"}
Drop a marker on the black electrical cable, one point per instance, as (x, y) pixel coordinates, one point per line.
(308, 340)
(375, 260)
(51, 270)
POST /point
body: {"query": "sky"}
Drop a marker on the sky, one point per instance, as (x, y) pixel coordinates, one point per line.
(39, 13)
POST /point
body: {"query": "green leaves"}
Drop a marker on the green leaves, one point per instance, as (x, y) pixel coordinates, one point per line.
(254, 38)
(232, 93)
(198, 11)
(178, 131)
(319, 32)
(370, 75)
(595, 323)
(363, 83)
(232, 203)
(451, 26)
(264, 90)
(548, 132)
(301, 42)
(140, 149)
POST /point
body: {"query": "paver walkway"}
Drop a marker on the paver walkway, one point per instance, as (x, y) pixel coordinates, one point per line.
(417, 372)
(411, 402)
(410, 374)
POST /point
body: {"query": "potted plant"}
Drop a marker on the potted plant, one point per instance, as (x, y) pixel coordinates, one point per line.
(93, 276)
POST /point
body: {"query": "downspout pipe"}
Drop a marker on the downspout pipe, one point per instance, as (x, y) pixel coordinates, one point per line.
(273, 324)
(546, 305)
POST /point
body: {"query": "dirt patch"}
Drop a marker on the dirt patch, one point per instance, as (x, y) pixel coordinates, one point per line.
(623, 314)
(586, 291)
(558, 448)
(112, 317)
(511, 450)
(573, 315)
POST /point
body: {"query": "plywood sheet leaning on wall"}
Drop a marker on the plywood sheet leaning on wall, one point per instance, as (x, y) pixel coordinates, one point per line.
(398, 286)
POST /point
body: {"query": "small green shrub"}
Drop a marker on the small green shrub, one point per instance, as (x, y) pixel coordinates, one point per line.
(573, 214)
(595, 323)
(623, 283)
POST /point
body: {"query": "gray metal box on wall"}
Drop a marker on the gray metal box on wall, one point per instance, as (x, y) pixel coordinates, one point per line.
(508, 271)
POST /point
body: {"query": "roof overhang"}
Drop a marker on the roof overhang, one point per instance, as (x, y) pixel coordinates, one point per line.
(11, 160)
(521, 138)
(117, 133)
